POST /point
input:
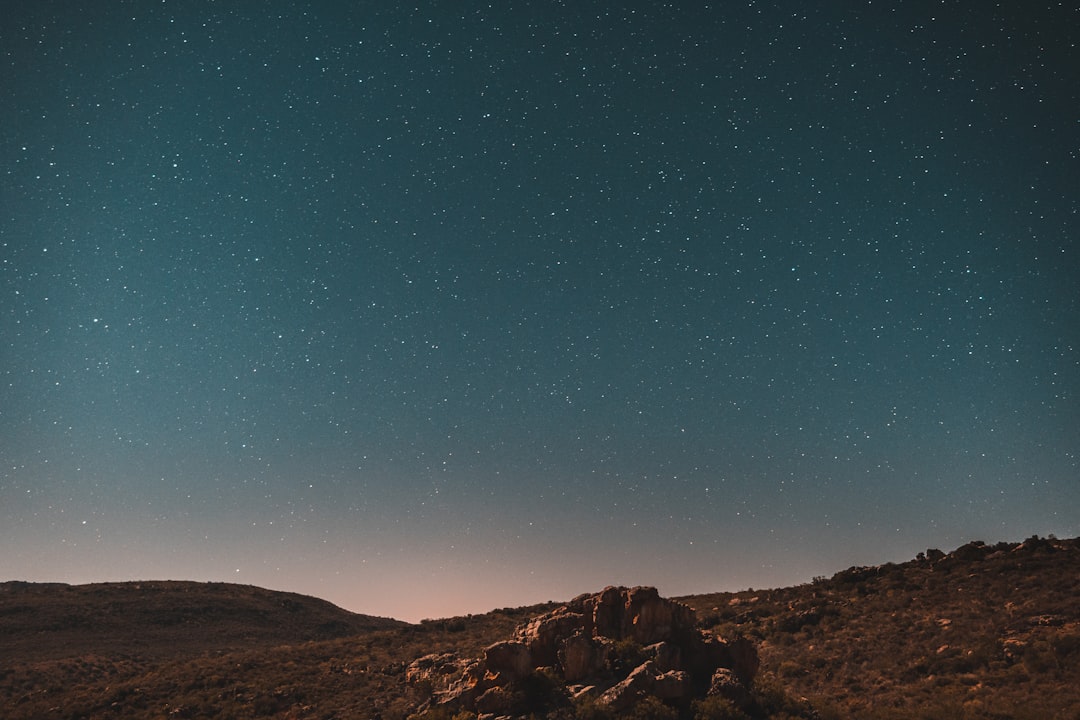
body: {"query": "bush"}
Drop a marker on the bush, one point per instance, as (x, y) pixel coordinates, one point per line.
(775, 701)
(540, 690)
(717, 708)
(625, 656)
(587, 709)
(651, 708)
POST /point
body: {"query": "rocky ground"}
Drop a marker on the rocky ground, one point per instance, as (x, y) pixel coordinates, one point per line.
(614, 649)
(983, 632)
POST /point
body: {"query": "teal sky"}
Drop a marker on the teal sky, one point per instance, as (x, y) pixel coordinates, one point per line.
(429, 310)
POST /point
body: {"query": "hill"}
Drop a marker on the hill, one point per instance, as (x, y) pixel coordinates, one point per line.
(211, 650)
(163, 620)
(985, 631)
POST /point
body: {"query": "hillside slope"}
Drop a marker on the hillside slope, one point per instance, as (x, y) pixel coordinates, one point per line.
(986, 631)
(163, 619)
(200, 650)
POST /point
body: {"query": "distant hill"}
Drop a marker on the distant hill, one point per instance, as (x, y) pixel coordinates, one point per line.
(985, 632)
(163, 619)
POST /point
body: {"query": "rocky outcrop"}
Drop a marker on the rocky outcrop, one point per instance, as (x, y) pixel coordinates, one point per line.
(509, 660)
(619, 645)
(727, 685)
(433, 668)
(582, 657)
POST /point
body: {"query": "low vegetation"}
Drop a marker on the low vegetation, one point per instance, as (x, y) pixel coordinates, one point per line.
(985, 632)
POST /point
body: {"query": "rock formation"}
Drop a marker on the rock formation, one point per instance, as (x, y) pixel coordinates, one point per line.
(617, 646)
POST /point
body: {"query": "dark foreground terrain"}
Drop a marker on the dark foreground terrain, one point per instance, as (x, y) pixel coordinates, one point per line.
(986, 631)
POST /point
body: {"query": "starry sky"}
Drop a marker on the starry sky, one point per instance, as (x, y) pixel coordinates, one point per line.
(429, 309)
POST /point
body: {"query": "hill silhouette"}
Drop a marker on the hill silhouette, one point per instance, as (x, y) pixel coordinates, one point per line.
(163, 619)
(985, 631)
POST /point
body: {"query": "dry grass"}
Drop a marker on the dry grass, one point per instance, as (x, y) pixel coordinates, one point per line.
(986, 632)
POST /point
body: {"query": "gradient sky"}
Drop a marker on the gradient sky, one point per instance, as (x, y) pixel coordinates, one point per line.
(434, 309)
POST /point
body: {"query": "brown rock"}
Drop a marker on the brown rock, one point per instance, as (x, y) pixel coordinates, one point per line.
(627, 693)
(509, 659)
(496, 701)
(583, 691)
(710, 652)
(577, 642)
(434, 668)
(638, 613)
(673, 685)
(463, 688)
(581, 657)
(608, 609)
(666, 655)
(743, 658)
(726, 684)
(544, 634)
(652, 618)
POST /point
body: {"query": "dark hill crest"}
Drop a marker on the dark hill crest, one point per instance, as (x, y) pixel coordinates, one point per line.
(164, 618)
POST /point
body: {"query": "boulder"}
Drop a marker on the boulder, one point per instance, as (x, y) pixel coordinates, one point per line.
(653, 618)
(543, 635)
(726, 684)
(496, 701)
(637, 613)
(627, 693)
(462, 688)
(742, 656)
(581, 657)
(673, 685)
(576, 646)
(666, 655)
(608, 608)
(434, 668)
(709, 652)
(510, 659)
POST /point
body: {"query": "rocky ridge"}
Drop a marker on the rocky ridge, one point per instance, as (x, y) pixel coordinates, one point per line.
(615, 648)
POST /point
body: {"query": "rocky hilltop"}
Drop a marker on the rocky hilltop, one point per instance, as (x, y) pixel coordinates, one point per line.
(618, 647)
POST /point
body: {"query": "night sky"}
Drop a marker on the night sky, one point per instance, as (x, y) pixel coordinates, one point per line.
(435, 309)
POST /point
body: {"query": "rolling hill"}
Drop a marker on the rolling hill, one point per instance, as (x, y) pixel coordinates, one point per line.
(984, 631)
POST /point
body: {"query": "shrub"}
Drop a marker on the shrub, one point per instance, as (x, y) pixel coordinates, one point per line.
(540, 690)
(625, 656)
(437, 713)
(717, 708)
(775, 701)
(651, 708)
(587, 709)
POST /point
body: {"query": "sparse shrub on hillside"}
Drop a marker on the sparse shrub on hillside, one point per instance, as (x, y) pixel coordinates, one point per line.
(1067, 647)
(422, 691)
(626, 655)
(918, 639)
(1040, 658)
(777, 703)
(541, 691)
(717, 708)
(789, 669)
(1005, 620)
(588, 709)
(651, 708)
